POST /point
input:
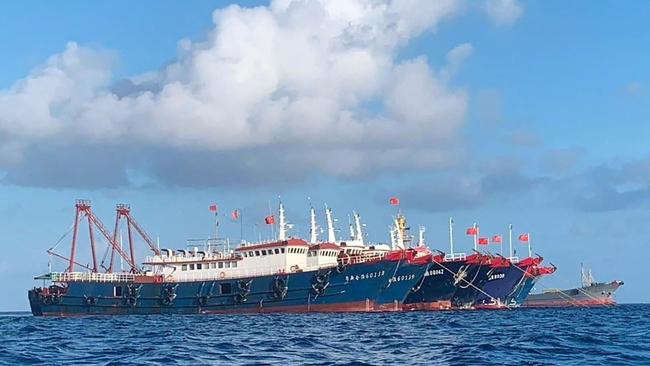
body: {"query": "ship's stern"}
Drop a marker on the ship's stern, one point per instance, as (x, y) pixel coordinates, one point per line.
(35, 302)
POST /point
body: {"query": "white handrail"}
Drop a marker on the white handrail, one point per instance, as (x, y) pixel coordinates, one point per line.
(455, 256)
(91, 277)
(229, 273)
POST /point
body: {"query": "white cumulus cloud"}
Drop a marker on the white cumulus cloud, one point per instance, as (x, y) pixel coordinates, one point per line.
(503, 12)
(294, 88)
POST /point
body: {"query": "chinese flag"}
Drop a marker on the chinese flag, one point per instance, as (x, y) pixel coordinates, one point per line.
(213, 208)
(524, 237)
(472, 231)
(394, 201)
(497, 239)
(483, 241)
(269, 220)
(235, 215)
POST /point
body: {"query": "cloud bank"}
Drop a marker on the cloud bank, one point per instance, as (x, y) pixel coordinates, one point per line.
(503, 12)
(287, 90)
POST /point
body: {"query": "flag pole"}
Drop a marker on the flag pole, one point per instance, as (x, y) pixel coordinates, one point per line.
(241, 226)
(510, 238)
(272, 225)
(475, 236)
(216, 224)
(501, 244)
(451, 236)
(530, 252)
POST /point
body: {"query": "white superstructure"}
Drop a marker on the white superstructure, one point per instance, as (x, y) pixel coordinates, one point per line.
(285, 255)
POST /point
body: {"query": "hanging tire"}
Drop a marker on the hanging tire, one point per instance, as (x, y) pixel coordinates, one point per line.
(47, 300)
(203, 300)
(318, 288)
(170, 289)
(131, 301)
(280, 288)
(167, 300)
(239, 298)
(90, 301)
(322, 277)
(133, 290)
(244, 286)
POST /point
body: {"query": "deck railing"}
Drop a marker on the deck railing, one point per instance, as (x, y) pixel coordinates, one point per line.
(455, 256)
(203, 275)
(91, 277)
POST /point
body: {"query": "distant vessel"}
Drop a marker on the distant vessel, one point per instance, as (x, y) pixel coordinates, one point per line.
(591, 294)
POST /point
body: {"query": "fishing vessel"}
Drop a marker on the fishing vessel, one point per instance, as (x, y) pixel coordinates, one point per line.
(590, 294)
(406, 275)
(522, 290)
(508, 283)
(409, 274)
(439, 283)
(480, 281)
(285, 275)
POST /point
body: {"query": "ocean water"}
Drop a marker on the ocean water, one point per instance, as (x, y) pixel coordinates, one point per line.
(608, 336)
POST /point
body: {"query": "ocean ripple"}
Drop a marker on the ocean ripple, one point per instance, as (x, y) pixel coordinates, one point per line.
(611, 336)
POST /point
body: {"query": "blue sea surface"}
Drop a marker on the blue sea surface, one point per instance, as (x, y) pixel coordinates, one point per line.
(607, 336)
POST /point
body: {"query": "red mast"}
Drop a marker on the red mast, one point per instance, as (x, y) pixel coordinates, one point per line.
(83, 208)
(124, 210)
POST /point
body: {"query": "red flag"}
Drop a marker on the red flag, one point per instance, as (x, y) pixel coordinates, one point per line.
(269, 220)
(394, 201)
(213, 208)
(483, 241)
(524, 237)
(497, 239)
(472, 231)
(235, 215)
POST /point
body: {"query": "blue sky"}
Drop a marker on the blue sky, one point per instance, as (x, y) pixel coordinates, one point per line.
(540, 119)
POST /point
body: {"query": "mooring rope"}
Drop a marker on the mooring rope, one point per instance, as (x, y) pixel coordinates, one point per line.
(471, 284)
(562, 293)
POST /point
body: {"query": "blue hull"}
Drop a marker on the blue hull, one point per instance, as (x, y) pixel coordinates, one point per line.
(476, 275)
(436, 288)
(500, 286)
(400, 285)
(522, 291)
(359, 287)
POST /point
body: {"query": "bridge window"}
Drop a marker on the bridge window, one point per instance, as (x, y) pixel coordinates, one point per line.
(117, 291)
(192, 267)
(250, 254)
(234, 264)
(282, 250)
(184, 267)
(277, 251)
(263, 252)
(199, 266)
(220, 264)
(257, 253)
